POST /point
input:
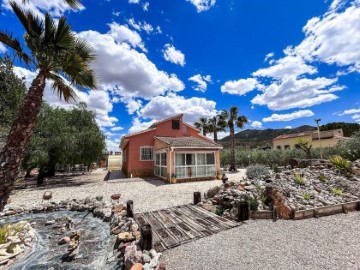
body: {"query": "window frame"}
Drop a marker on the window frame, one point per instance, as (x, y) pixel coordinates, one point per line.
(146, 147)
(173, 126)
(161, 153)
(194, 167)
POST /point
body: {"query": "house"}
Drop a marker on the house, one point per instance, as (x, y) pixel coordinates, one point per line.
(327, 139)
(170, 147)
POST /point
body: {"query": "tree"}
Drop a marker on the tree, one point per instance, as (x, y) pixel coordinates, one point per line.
(305, 146)
(63, 137)
(216, 124)
(55, 53)
(12, 92)
(232, 119)
(202, 124)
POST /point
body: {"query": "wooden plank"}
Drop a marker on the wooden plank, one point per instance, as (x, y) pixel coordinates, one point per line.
(201, 219)
(222, 219)
(261, 214)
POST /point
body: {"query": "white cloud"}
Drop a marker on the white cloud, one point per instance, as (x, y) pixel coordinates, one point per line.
(256, 124)
(297, 93)
(122, 33)
(201, 81)
(173, 55)
(139, 125)
(202, 5)
(350, 111)
(333, 38)
(96, 100)
(239, 87)
(127, 72)
(116, 128)
(56, 8)
(134, 1)
(116, 13)
(356, 116)
(288, 127)
(132, 105)
(2, 48)
(146, 6)
(143, 26)
(289, 116)
(170, 105)
(269, 56)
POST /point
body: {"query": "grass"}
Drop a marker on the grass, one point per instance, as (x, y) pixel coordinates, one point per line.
(306, 196)
(299, 179)
(10, 230)
(323, 178)
(337, 191)
(340, 163)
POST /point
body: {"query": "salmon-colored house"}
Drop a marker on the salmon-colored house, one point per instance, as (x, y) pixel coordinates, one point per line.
(170, 148)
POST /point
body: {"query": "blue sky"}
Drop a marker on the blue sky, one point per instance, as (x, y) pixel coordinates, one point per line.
(283, 63)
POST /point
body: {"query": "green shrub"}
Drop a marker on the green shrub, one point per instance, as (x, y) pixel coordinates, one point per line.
(265, 199)
(340, 163)
(277, 169)
(323, 178)
(253, 203)
(219, 211)
(257, 170)
(337, 191)
(10, 230)
(299, 179)
(306, 196)
(213, 191)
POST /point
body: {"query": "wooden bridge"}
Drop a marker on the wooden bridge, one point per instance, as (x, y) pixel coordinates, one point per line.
(174, 226)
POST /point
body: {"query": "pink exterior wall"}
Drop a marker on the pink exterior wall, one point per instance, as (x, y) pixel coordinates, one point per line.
(133, 163)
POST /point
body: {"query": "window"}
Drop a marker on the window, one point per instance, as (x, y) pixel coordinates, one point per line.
(160, 165)
(188, 165)
(286, 147)
(278, 147)
(146, 153)
(175, 124)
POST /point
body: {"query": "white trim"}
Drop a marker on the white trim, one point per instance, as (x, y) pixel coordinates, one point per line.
(146, 147)
(195, 175)
(160, 165)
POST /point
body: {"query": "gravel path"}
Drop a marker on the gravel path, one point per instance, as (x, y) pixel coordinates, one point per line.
(325, 243)
(147, 194)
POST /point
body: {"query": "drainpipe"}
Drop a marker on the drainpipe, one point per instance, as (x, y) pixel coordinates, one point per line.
(170, 152)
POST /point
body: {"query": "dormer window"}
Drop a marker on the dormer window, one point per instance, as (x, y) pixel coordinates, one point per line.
(175, 124)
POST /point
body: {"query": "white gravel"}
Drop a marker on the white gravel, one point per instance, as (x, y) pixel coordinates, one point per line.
(147, 194)
(324, 243)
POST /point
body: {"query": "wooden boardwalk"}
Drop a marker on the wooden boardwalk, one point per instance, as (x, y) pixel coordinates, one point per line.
(174, 226)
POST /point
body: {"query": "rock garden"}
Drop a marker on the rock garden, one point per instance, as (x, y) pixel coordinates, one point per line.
(306, 185)
(74, 234)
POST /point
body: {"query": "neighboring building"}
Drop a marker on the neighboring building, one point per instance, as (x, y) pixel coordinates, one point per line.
(169, 147)
(327, 139)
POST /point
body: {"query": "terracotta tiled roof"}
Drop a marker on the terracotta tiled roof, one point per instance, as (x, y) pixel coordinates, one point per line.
(294, 135)
(191, 142)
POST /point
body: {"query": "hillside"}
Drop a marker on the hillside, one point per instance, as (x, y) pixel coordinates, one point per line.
(254, 138)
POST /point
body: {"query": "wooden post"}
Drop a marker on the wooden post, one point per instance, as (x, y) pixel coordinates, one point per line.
(243, 211)
(130, 208)
(197, 197)
(274, 213)
(316, 213)
(345, 210)
(146, 237)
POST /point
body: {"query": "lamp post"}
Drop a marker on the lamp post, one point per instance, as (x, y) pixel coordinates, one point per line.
(318, 128)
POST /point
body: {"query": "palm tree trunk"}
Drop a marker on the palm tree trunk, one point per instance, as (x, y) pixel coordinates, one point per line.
(232, 150)
(13, 152)
(215, 136)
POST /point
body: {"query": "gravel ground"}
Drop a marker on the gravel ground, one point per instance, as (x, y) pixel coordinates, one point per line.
(325, 243)
(147, 194)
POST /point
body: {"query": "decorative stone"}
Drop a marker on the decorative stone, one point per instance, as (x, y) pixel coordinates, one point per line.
(64, 240)
(50, 222)
(126, 236)
(137, 266)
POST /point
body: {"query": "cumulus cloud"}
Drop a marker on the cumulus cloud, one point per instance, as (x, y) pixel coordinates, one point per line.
(256, 124)
(239, 87)
(134, 1)
(56, 8)
(143, 26)
(140, 125)
(202, 5)
(127, 72)
(289, 116)
(269, 56)
(146, 6)
(122, 33)
(116, 128)
(288, 127)
(297, 93)
(350, 111)
(2, 48)
(201, 82)
(170, 105)
(171, 54)
(356, 116)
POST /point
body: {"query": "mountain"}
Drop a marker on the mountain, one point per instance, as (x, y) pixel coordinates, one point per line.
(255, 138)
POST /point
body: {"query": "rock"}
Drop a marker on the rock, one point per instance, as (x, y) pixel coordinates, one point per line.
(137, 235)
(117, 208)
(10, 213)
(49, 222)
(64, 240)
(152, 253)
(116, 230)
(249, 188)
(145, 258)
(134, 227)
(126, 236)
(161, 266)
(137, 266)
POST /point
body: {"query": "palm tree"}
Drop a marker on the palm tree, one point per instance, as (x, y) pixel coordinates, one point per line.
(217, 124)
(55, 53)
(233, 119)
(202, 124)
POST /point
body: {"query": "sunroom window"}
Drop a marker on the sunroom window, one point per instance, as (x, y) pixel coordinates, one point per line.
(189, 165)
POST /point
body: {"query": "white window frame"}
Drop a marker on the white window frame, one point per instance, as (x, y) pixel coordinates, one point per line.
(147, 147)
(195, 174)
(160, 152)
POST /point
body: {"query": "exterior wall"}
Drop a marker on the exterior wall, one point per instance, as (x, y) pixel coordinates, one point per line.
(313, 140)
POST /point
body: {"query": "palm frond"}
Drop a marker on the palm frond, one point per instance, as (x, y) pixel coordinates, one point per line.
(241, 121)
(64, 37)
(49, 30)
(14, 44)
(63, 90)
